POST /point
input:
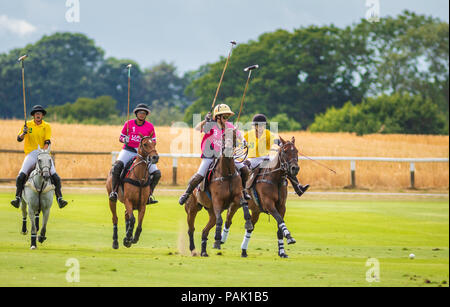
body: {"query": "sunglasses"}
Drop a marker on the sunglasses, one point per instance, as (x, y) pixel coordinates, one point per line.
(226, 117)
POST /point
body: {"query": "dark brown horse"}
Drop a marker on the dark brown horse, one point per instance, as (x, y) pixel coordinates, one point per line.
(134, 193)
(270, 185)
(225, 190)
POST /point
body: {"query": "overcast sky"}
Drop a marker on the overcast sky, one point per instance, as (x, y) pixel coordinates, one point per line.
(188, 33)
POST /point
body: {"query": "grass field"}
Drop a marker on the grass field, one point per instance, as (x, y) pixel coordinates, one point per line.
(335, 237)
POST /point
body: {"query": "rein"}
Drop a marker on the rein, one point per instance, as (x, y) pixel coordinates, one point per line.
(284, 166)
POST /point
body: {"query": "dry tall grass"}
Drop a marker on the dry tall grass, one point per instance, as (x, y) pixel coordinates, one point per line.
(373, 175)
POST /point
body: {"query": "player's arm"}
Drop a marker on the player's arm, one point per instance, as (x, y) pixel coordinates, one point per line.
(22, 134)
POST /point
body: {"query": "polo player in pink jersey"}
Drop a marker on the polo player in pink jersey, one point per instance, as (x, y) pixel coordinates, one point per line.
(131, 137)
(211, 148)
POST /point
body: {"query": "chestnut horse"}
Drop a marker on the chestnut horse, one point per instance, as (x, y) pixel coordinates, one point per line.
(225, 190)
(271, 188)
(134, 192)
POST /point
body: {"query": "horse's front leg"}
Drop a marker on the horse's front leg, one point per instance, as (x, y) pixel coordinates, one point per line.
(192, 208)
(230, 214)
(248, 234)
(45, 215)
(219, 223)
(23, 206)
(205, 232)
(141, 215)
(31, 214)
(129, 221)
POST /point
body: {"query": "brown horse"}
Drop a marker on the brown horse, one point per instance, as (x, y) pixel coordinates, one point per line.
(271, 188)
(134, 193)
(225, 190)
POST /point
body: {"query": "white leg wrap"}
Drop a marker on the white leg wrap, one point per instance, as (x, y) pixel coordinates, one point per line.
(247, 237)
(281, 247)
(225, 233)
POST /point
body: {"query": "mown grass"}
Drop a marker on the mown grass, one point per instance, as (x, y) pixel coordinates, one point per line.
(335, 238)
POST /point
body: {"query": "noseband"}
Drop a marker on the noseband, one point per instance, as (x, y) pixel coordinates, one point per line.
(285, 165)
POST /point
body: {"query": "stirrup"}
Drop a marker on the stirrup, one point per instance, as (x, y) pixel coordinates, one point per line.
(61, 202)
(151, 200)
(16, 202)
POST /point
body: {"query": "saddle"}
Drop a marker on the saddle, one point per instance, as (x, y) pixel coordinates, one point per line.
(126, 171)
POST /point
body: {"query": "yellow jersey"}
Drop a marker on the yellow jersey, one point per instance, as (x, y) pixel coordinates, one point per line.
(36, 136)
(259, 147)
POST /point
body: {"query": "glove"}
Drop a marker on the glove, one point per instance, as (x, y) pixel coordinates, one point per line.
(25, 129)
(126, 139)
(208, 117)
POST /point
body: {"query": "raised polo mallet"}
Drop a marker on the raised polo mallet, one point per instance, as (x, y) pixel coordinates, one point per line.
(128, 109)
(22, 59)
(249, 69)
(233, 43)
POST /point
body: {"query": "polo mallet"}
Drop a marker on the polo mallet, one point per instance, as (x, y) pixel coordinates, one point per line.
(22, 59)
(233, 43)
(128, 109)
(323, 165)
(249, 69)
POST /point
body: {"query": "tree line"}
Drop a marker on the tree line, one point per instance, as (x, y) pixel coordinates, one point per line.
(390, 76)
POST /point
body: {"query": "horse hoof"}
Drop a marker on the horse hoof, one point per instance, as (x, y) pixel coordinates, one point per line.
(135, 241)
(244, 254)
(33, 247)
(217, 245)
(291, 240)
(41, 239)
(24, 232)
(194, 254)
(126, 243)
(248, 225)
(283, 256)
(115, 245)
(204, 254)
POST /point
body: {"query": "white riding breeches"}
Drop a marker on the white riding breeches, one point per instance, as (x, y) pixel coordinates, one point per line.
(206, 163)
(125, 156)
(257, 161)
(30, 162)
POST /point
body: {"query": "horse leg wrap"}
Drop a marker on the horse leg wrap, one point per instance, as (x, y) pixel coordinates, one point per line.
(281, 251)
(284, 229)
(247, 215)
(247, 236)
(115, 235)
(225, 233)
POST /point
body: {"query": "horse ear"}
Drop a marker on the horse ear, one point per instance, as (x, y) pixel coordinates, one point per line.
(282, 141)
(293, 140)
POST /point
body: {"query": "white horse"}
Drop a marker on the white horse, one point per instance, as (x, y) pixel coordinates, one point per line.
(37, 195)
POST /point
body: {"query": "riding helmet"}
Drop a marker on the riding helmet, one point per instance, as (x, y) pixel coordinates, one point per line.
(259, 119)
(38, 108)
(222, 109)
(141, 107)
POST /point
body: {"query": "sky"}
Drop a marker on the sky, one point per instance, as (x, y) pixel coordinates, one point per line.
(188, 33)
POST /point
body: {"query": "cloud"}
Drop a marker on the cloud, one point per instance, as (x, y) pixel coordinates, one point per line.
(16, 26)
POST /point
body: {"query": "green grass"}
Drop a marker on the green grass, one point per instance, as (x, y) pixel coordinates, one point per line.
(334, 240)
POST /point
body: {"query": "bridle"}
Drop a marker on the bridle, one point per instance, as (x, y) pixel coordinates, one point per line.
(285, 165)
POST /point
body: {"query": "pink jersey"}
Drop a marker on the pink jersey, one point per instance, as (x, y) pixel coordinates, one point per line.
(212, 140)
(147, 129)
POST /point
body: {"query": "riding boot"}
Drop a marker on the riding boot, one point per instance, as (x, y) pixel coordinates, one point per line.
(193, 183)
(154, 182)
(116, 171)
(299, 189)
(245, 173)
(20, 181)
(57, 182)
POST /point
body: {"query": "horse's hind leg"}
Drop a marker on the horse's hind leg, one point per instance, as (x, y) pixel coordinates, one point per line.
(31, 214)
(112, 207)
(228, 222)
(281, 251)
(36, 219)
(24, 218)
(192, 208)
(219, 223)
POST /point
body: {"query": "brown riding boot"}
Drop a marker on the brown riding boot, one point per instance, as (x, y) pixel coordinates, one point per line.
(299, 189)
(193, 183)
(245, 173)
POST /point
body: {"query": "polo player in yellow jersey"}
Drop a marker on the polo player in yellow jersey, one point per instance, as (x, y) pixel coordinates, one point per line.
(37, 134)
(260, 140)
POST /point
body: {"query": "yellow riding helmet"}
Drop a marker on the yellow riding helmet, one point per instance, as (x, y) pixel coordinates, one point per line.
(222, 109)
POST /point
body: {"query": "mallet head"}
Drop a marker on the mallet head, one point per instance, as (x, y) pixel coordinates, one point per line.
(23, 57)
(233, 43)
(251, 67)
(129, 66)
